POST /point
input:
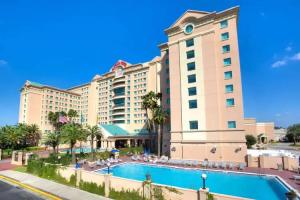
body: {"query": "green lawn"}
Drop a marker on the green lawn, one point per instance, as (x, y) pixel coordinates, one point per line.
(20, 169)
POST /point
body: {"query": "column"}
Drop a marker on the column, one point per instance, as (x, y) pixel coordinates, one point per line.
(113, 143)
(135, 143)
(128, 143)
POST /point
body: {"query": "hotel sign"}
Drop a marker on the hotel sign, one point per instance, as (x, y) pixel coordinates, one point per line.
(118, 68)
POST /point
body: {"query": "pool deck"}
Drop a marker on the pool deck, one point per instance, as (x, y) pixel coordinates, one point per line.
(287, 176)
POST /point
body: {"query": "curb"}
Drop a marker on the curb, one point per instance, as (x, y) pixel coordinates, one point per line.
(30, 188)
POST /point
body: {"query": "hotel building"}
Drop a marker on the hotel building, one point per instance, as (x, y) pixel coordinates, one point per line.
(198, 74)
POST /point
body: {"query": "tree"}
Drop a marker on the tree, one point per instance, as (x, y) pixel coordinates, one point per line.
(12, 137)
(32, 135)
(151, 105)
(71, 133)
(93, 132)
(54, 119)
(293, 133)
(250, 140)
(72, 114)
(159, 117)
(52, 140)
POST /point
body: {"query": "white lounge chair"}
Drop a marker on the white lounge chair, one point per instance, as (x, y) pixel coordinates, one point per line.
(216, 165)
(91, 164)
(210, 164)
(231, 165)
(241, 166)
(223, 165)
(296, 177)
(204, 163)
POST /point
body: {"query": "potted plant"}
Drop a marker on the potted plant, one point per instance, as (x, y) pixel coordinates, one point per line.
(291, 195)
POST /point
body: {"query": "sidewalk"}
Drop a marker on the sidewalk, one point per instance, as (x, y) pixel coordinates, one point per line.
(54, 188)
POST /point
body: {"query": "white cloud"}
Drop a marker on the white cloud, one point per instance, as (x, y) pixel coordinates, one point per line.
(286, 60)
(3, 62)
(296, 56)
(277, 115)
(279, 63)
(288, 48)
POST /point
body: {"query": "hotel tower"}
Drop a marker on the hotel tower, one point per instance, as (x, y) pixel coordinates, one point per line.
(198, 74)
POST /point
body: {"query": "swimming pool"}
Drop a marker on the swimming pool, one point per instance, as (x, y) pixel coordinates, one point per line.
(236, 184)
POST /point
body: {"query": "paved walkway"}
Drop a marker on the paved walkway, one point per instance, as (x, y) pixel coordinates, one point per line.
(57, 189)
(5, 164)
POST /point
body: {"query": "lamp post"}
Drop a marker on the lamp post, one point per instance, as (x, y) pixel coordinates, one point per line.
(108, 165)
(204, 177)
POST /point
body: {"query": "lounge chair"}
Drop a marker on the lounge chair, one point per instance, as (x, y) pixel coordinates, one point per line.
(296, 177)
(204, 163)
(91, 164)
(216, 165)
(195, 163)
(133, 158)
(223, 165)
(241, 166)
(231, 165)
(99, 163)
(210, 164)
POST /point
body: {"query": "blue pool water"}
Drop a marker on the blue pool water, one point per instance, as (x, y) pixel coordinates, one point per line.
(236, 184)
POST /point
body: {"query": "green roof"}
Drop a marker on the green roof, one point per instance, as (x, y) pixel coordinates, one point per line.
(36, 84)
(114, 130)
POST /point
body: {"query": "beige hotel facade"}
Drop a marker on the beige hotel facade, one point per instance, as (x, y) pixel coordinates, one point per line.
(198, 74)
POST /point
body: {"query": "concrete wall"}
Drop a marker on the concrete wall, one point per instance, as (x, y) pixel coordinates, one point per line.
(272, 162)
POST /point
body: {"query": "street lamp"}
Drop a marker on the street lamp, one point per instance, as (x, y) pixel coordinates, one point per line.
(108, 165)
(204, 177)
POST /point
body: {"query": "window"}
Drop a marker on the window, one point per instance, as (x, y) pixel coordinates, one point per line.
(193, 125)
(189, 28)
(229, 102)
(231, 124)
(191, 66)
(167, 80)
(227, 61)
(229, 88)
(225, 36)
(189, 42)
(168, 101)
(224, 24)
(167, 61)
(192, 104)
(228, 75)
(192, 91)
(168, 90)
(192, 78)
(226, 49)
(190, 54)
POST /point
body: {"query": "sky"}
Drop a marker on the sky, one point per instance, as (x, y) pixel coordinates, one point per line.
(64, 43)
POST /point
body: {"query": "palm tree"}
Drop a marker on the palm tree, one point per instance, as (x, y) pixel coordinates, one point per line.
(93, 132)
(159, 117)
(12, 136)
(150, 103)
(33, 134)
(52, 140)
(72, 114)
(71, 133)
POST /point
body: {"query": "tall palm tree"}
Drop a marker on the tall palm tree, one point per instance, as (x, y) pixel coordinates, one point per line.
(159, 117)
(72, 114)
(33, 134)
(151, 102)
(93, 132)
(13, 136)
(71, 133)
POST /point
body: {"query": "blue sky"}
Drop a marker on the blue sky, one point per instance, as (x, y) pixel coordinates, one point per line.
(65, 43)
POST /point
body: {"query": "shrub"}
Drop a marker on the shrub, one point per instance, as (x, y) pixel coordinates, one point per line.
(92, 187)
(250, 140)
(125, 195)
